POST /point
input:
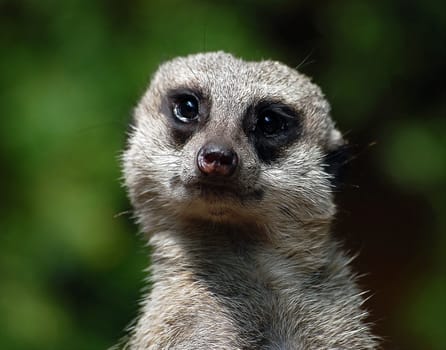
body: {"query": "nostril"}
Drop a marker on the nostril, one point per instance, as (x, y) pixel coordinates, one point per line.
(215, 159)
(227, 158)
(224, 158)
(212, 157)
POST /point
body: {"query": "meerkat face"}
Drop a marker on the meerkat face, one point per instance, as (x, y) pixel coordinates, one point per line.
(219, 139)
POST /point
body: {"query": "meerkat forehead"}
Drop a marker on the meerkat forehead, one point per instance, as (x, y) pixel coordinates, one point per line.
(232, 85)
(223, 76)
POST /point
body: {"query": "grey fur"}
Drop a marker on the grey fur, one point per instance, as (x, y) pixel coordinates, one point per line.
(253, 267)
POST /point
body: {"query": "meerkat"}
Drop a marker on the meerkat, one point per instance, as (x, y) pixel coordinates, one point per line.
(228, 168)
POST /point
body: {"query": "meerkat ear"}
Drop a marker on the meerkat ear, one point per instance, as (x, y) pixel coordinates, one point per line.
(335, 139)
(337, 157)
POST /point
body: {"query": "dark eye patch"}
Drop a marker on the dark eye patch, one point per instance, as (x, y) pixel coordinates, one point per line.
(271, 126)
(185, 108)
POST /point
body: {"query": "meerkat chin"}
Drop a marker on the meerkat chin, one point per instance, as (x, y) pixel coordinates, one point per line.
(230, 171)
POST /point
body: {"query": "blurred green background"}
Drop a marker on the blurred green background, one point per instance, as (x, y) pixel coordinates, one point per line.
(71, 262)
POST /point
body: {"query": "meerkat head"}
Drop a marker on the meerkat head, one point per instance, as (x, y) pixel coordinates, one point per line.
(219, 139)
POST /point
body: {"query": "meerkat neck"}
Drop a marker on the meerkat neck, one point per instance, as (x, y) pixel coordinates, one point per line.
(189, 246)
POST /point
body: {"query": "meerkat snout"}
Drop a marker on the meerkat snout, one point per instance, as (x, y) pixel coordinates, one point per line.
(215, 159)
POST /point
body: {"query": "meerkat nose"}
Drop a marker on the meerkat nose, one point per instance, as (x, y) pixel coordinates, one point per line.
(215, 159)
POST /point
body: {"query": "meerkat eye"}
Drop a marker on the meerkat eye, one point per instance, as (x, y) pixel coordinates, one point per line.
(274, 119)
(185, 108)
(271, 123)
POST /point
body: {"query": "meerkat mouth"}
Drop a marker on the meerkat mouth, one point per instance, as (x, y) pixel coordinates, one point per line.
(224, 192)
(214, 191)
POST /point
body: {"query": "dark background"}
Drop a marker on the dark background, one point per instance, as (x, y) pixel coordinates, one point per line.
(71, 262)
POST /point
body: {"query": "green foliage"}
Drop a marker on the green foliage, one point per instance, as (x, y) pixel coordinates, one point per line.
(71, 264)
(427, 312)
